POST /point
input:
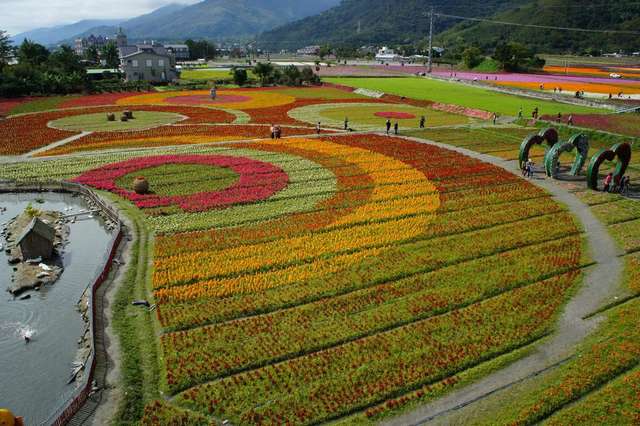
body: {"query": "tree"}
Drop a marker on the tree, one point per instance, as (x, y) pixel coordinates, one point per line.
(92, 54)
(291, 76)
(65, 60)
(264, 71)
(472, 57)
(201, 49)
(324, 51)
(110, 55)
(32, 53)
(240, 76)
(515, 57)
(6, 50)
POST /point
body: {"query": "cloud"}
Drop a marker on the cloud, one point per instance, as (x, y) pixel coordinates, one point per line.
(22, 15)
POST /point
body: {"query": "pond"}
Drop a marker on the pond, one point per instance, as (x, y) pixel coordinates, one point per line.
(34, 376)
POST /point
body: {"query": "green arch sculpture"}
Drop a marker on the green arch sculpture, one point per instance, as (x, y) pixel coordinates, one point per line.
(550, 136)
(578, 142)
(621, 151)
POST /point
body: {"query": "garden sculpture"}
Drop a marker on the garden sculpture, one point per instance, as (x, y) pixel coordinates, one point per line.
(621, 152)
(578, 142)
(550, 136)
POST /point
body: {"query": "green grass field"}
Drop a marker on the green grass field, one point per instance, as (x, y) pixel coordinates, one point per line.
(460, 94)
(99, 123)
(209, 74)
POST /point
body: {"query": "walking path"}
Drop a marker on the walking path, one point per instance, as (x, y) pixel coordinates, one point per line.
(56, 144)
(600, 286)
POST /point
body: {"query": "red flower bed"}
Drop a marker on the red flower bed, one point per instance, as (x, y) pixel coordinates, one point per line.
(102, 99)
(624, 124)
(396, 115)
(6, 105)
(258, 181)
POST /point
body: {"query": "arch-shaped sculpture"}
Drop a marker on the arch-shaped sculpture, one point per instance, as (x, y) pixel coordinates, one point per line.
(578, 142)
(550, 136)
(621, 151)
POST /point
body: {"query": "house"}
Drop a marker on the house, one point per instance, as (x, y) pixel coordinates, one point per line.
(309, 51)
(387, 55)
(179, 51)
(151, 62)
(37, 240)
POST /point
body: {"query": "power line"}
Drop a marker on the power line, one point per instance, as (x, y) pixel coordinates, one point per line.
(544, 27)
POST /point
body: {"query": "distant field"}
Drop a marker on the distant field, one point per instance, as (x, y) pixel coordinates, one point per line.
(561, 60)
(209, 74)
(459, 94)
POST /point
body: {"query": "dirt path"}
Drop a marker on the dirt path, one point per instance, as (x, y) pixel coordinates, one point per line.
(601, 285)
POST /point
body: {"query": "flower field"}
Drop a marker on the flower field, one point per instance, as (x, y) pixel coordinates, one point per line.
(308, 279)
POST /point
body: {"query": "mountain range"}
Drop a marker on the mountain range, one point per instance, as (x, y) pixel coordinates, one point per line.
(210, 19)
(290, 24)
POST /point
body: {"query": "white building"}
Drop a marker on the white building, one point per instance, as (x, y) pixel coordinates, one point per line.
(388, 55)
(309, 51)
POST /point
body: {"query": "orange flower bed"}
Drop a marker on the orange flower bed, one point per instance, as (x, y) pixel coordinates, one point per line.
(168, 136)
(588, 71)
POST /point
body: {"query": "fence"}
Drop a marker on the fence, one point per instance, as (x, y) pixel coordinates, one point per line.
(74, 403)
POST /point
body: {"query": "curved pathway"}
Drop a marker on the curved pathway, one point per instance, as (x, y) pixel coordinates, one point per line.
(601, 283)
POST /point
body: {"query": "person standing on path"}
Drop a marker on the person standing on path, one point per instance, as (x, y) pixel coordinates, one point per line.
(388, 127)
(520, 113)
(570, 120)
(395, 128)
(318, 128)
(273, 131)
(346, 123)
(495, 118)
(607, 182)
(423, 120)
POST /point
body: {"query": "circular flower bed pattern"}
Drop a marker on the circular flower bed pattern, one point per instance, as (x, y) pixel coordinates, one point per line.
(373, 116)
(257, 181)
(233, 99)
(98, 122)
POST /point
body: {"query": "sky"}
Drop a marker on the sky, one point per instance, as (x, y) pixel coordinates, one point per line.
(17, 16)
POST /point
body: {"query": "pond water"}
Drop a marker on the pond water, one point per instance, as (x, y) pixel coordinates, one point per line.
(33, 377)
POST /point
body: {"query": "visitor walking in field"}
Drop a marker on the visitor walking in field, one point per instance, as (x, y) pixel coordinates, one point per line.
(520, 113)
(395, 128)
(423, 120)
(495, 118)
(346, 123)
(388, 126)
(273, 131)
(318, 128)
(570, 120)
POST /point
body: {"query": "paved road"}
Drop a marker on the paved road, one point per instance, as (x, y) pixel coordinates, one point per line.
(601, 285)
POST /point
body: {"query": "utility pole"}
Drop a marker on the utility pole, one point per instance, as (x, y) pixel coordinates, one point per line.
(430, 65)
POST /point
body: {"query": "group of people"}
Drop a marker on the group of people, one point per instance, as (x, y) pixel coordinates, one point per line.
(528, 169)
(569, 120)
(276, 132)
(617, 186)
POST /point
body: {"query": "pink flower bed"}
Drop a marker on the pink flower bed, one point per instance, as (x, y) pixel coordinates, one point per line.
(469, 112)
(395, 115)
(205, 99)
(624, 124)
(258, 181)
(530, 78)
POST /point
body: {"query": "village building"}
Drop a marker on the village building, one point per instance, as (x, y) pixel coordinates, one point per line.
(82, 44)
(309, 51)
(387, 55)
(179, 51)
(37, 240)
(150, 62)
